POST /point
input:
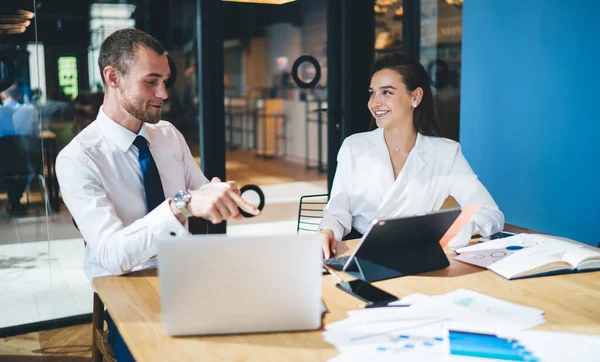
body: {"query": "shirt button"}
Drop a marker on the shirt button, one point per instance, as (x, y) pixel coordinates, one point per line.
(173, 233)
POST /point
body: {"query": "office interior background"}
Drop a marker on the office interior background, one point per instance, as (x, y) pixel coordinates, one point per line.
(513, 81)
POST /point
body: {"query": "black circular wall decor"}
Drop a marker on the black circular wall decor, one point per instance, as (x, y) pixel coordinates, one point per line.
(296, 67)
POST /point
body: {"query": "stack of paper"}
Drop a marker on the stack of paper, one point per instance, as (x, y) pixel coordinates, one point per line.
(515, 316)
(531, 346)
(553, 346)
(420, 331)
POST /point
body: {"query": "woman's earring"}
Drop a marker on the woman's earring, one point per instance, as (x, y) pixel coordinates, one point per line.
(415, 104)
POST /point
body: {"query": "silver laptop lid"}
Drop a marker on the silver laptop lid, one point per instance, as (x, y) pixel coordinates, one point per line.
(214, 284)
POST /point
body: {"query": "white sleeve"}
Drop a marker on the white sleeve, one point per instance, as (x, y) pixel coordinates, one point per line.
(116, 247)
(194, 177)
(337, 217)
(466, 188)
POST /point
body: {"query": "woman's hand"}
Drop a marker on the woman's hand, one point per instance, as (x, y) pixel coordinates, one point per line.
(329, 243)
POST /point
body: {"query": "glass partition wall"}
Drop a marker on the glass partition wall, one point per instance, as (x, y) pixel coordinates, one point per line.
(440, 54)
(41, 279)
(48, 56)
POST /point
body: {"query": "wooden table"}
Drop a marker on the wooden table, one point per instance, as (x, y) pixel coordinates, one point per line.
(570, 303)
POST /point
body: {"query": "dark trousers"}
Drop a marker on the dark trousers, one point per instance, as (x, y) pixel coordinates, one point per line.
(117, 343)
(15, 189)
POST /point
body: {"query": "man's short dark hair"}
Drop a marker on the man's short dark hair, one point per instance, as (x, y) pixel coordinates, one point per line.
(119, 49)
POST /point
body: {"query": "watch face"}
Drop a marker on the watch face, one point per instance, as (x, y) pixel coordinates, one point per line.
(181, 198)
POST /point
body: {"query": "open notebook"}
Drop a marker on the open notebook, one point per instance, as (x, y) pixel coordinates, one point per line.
(530, 255)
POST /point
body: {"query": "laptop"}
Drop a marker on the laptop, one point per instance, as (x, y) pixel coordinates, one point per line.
(214, 284)
(401, 246)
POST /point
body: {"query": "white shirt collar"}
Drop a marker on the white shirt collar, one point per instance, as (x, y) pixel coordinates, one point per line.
(119, 135)
(423, 143)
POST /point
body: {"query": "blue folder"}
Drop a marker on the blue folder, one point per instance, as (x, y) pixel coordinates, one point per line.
(488, 346)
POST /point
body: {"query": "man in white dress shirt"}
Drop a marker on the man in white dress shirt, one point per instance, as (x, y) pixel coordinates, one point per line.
(129, 179)
(100, 174)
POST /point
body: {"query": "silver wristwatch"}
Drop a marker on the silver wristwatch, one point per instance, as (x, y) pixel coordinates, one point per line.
(181, 199)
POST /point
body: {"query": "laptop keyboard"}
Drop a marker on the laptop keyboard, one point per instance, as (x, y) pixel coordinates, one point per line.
(337, 263)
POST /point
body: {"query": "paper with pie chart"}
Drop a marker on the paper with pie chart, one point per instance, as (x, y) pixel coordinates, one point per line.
(485, 254)
(485, 258)
(524, 240)
(492, 306)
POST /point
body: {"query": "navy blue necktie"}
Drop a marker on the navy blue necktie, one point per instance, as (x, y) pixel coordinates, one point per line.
(152, 184)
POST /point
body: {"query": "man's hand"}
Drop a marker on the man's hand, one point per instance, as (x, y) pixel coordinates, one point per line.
(219, 202)
(232, 184)
(329, 243)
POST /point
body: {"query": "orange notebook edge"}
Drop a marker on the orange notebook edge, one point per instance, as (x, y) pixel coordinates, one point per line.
(465, 216)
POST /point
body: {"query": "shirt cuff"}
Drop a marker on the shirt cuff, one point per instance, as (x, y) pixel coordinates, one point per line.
(163, 224)
(464, 236)
(337, 233)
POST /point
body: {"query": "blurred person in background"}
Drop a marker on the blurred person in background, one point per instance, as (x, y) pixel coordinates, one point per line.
(17, 119)
(10, 103)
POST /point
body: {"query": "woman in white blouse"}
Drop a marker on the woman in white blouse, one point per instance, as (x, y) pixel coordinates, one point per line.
(404, 167)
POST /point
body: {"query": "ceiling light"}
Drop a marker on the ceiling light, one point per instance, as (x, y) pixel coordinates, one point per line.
(380, 10)
(11, 26)
(382, 40)
(15, 22)
(386, 2)
(12, 19)
(269, 2)
(26, 14)
(20, 30)
(6, 18)
(19, 16)
(457, 3)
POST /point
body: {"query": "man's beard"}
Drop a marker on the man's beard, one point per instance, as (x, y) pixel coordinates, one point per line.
(136, 109)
